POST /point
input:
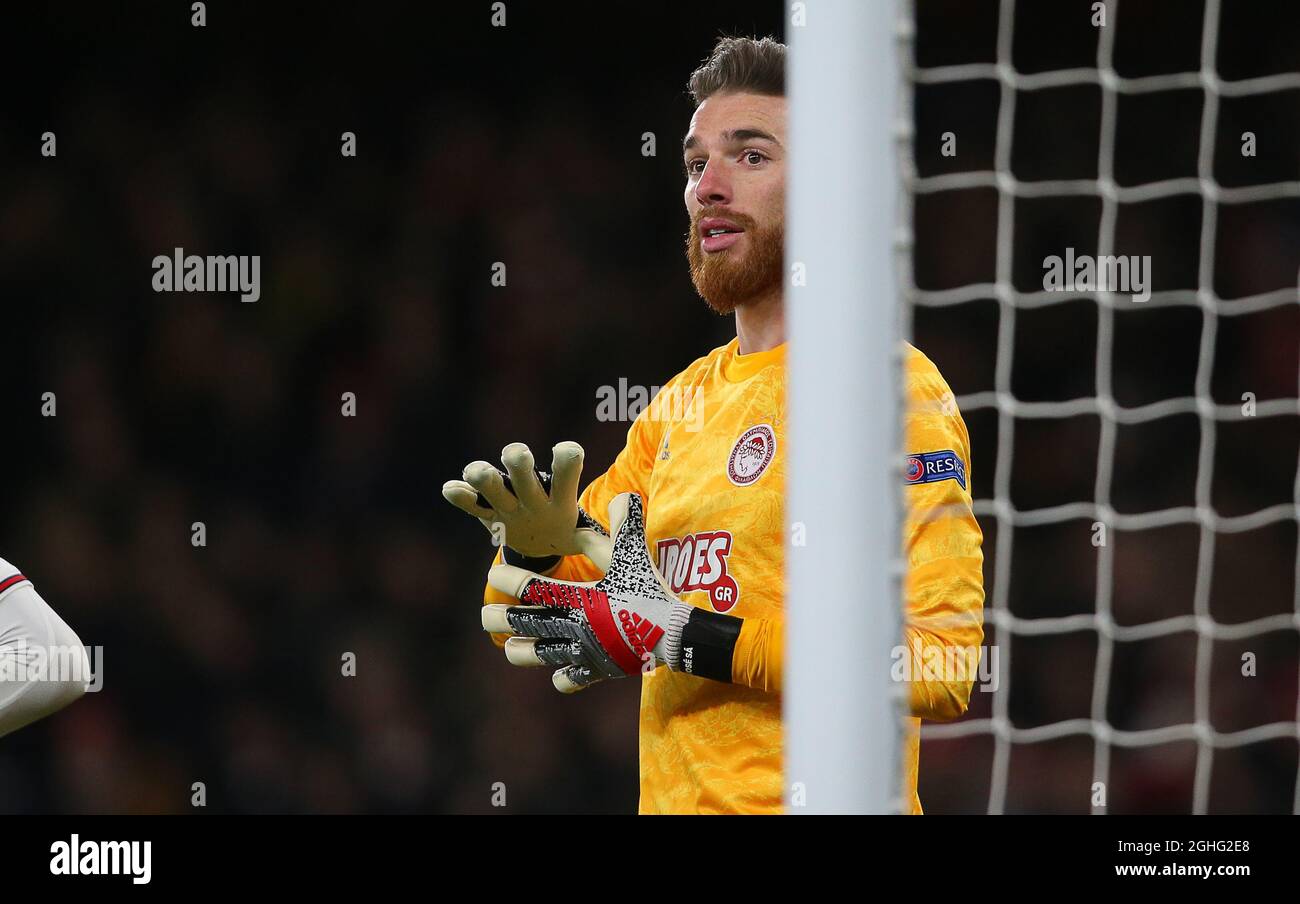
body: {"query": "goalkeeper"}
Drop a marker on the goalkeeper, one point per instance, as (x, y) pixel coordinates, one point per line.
(702, 496)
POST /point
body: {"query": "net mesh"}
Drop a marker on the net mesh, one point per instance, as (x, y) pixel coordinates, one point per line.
(998, 511)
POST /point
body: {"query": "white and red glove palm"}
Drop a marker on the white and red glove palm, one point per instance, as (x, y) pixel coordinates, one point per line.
(623, 624)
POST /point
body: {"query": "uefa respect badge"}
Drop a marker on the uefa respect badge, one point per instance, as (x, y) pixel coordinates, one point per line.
(929, 467)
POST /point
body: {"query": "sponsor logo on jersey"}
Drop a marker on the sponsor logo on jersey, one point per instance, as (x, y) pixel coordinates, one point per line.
(699, 562)
(751, 455)
(928, 467)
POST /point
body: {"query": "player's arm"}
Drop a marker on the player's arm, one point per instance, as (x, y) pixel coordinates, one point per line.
(43, 665)
(943, 590)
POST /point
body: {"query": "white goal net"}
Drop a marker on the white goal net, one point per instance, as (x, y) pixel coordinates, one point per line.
(1184, 662)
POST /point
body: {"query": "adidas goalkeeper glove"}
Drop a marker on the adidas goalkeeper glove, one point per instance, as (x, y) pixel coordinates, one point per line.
(625, 623)
(537, 512)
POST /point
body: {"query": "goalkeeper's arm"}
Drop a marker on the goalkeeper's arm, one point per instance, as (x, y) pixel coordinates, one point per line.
(629, 621)
(757, 647)
(944, 596)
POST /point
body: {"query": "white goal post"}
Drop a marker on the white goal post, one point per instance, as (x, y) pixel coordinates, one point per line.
(852, 76)
(843, 717)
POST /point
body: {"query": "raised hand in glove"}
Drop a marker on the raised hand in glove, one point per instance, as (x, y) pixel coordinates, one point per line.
(537, 512)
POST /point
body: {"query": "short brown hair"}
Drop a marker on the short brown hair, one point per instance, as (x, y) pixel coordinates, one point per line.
(740, 65)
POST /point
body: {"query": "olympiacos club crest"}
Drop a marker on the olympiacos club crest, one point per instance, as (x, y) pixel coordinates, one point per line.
(751, 455)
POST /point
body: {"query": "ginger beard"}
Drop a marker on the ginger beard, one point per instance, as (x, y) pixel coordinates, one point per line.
(725, 279)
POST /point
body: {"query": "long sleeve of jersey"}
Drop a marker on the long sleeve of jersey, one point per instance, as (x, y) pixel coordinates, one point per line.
(943, 621)
(44, 660)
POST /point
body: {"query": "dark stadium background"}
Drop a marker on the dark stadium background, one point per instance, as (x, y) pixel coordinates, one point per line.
(523, 145)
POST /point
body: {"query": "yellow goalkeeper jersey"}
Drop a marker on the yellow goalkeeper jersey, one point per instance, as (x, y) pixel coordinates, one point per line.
(708, 457)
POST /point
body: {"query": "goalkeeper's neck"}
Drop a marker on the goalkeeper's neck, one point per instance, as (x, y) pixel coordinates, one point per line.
(760, 324)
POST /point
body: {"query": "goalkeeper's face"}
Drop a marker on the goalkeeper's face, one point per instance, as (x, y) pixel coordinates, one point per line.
(734, 154)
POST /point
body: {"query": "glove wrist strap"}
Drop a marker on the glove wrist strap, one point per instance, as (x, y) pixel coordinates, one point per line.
(708, 641)
(539, 564)
(678, 616)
